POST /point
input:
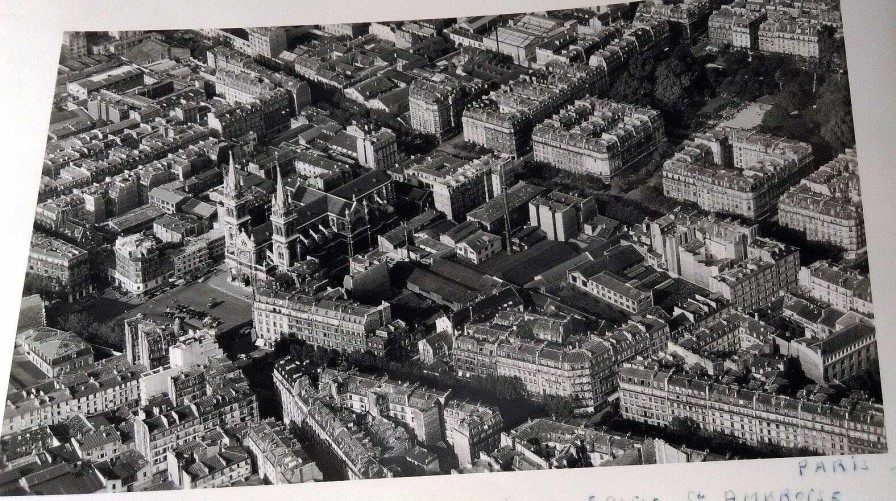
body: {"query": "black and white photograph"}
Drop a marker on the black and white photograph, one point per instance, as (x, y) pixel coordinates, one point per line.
(629, 234)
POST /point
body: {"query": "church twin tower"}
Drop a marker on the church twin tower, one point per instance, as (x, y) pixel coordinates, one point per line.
(267, 232)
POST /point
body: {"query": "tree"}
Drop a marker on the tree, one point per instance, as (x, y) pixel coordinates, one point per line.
(503, 387)
(321, 356)
(683, 428)
(658, 157)
(831, 50)
(735, 60)
(775, 118)
(46, 287)
(635, 84)
(307, 352)
(653, 192)
(365, 361)
(560, 408)
(295, 350)
(749, 77)
(795, 96)
(78, 323)
(673, 88)
(833, 113)
(334, 357)
(105, 334)
(539, 170)
(839, 131)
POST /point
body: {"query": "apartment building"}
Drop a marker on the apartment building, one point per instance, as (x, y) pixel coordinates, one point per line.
(837, 286)
(547, 370)
(436, 106)
(377, 148)
(208, 463)
(849, 350)
(826, 206)
(619, 278)
(736, 171)
(584, 371)
(420, 408)
(723, 256)
(139, 266)
(560, 215)
(736, 26)
(331, 323)
(278, 457)
(687, 20)
(459, 186)
(55, 352)
(503, 120)
(103, 386)
(597, 137)
(159, 429)
(754, 417)
(544, 444)
(795, 36)
(471, 429)
(305, 408)
(64, 266)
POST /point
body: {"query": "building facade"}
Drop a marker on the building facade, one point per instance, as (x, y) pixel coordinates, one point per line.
(735, 171)
(55, 352)
(826, 206)
(64, 266)
(331, 323)
(459, 186)
(436, 107)
(139, 266)
(278, 457)
(837, 286)
(503, 120)
(597, 137)
(736, 26)
(472, 429)
(377, 148)
(795, 36)
(561, 216)
(656, 397)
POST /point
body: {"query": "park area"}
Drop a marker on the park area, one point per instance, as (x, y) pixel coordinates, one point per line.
(749, 116)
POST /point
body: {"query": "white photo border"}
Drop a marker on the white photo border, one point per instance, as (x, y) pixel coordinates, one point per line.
(30, 39)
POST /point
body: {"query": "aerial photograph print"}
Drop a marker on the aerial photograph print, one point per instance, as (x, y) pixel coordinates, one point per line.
(629, 234)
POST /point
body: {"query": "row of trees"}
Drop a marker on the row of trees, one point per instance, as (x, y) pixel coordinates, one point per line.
(48, 288)
(84, 325)
(686, 432)
(548, 176)
(60, 316)
(304, 352)
(501, 387)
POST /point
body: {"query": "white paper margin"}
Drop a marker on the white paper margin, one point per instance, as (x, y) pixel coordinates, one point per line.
(30, 37)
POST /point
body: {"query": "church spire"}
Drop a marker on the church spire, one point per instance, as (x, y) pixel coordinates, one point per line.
(281, 189)
(231, 175)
